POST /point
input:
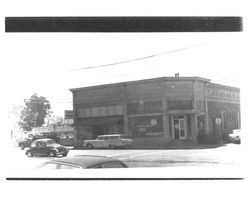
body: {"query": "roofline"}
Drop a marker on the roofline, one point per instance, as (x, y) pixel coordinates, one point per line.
(143, 81)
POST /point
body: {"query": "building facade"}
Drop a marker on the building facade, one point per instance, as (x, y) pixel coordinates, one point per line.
(156, 112)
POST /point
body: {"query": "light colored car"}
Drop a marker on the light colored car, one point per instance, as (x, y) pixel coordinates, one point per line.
(235, 136)
(108, 141)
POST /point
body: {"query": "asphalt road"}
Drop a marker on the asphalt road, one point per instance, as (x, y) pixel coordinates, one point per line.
(228, 155)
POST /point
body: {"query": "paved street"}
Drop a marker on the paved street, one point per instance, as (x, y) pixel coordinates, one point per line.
(228, 155)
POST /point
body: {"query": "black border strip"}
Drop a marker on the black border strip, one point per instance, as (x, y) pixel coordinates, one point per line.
(124, 24)
(116, 179)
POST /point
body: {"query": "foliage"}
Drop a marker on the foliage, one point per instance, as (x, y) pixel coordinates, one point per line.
(35, 110)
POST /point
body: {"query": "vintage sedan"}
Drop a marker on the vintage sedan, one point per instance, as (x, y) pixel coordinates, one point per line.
(83, 162)
(108, 141)
(235, 136)
(46, 147)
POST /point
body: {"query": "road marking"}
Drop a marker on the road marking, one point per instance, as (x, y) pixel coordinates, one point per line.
(139, 155)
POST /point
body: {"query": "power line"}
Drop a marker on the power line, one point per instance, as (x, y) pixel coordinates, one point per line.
(136, 59)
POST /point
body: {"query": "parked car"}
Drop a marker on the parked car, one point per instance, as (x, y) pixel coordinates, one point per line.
(26, 142)
(83, 162)
(108, 141)
(235, 136)
(46, 147)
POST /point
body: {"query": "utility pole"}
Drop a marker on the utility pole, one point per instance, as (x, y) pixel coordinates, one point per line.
(218, 126)
(35, 117)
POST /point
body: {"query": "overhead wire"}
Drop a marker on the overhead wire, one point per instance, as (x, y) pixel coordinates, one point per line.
(135, 59)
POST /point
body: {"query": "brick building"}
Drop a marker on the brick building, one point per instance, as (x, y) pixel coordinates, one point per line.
(156, 112)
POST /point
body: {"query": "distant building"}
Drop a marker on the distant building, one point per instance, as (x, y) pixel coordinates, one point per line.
(157, 112)
(57, 128)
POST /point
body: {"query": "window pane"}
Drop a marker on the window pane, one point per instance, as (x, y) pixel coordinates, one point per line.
(103, 111)
(180, 105)
(111, 110)
(118, 110)
(95, 111)
(100, 138)
(88, 112)
(80, 113)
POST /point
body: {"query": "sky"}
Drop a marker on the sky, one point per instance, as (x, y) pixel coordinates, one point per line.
(51, 64)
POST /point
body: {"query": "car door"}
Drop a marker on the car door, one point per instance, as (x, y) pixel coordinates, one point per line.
(106, 142)
(116, 141)
(99, 142)
(34, 147)
(40, 148)
(44, 149)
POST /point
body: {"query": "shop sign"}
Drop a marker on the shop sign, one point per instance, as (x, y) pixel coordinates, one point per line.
(221, 93)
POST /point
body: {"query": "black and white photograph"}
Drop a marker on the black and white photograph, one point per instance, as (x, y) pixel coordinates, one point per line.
(114, 95)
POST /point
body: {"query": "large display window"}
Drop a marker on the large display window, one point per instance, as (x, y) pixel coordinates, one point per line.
(146, 126)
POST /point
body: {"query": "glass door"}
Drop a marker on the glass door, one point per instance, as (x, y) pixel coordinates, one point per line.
(182, 130)
(179, 127)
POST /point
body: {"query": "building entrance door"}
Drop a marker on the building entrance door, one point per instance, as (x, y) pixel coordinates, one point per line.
(179, 127)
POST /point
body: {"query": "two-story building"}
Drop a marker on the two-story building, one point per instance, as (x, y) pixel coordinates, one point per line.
(156, 112)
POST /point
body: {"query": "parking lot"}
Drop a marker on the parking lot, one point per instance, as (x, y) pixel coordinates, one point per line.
(228, 155)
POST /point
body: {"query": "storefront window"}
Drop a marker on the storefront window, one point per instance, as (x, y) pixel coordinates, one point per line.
(180, 105)
(102, 111)
(145, 107)
(95, 111)
(111, 110)
(146, 126)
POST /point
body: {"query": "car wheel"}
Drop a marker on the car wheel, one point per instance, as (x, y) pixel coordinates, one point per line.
(52, 154)
(29, 154)
(90, 146)
(64, 155)
(22, 147)
(237, 142)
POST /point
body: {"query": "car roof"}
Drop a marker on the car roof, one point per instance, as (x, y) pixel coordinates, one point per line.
(85, 161)
(111, 135)
(43, 140)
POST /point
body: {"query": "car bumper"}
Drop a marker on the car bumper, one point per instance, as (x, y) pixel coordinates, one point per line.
(62, 152)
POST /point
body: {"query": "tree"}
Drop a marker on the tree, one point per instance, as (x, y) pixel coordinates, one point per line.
(35, 110)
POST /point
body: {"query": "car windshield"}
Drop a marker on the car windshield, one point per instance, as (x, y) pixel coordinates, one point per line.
(50, 142)
(124, 137)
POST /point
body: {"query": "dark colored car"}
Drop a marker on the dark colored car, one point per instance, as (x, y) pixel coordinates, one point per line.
(46, 147)
(27, 141)
(83, 162)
